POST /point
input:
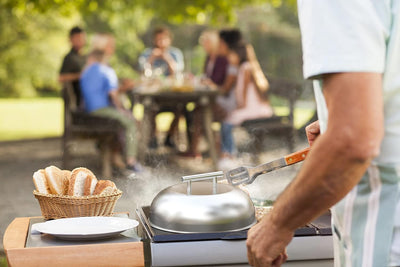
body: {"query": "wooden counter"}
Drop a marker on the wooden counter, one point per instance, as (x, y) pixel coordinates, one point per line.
(102, 254)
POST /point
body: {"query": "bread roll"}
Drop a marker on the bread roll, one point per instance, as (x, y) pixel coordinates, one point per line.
(104, 187)
(90, 185)
(82, 182)
(67, 178)
(39, 179)
(56, 180)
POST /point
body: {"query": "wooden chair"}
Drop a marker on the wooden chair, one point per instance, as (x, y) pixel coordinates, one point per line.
(283, 126)
(79, 124)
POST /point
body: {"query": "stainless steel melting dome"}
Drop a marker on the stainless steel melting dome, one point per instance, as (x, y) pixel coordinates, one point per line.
(201, 206)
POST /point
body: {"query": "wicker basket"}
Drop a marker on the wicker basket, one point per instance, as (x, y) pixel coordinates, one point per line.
(56, 206)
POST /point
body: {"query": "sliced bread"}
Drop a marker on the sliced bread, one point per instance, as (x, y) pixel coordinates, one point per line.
(104, 187)
(82, 182)
(66, 177)
(55, 179)
(39, 179)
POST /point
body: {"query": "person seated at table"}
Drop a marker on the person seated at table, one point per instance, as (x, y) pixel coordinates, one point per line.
(215, 71)
(226, 100)
(100, 90)
(216, 63)
(251, 100)
(163, 60)
(74, 62)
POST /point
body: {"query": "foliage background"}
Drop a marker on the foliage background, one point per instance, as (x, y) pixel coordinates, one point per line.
(33, 35)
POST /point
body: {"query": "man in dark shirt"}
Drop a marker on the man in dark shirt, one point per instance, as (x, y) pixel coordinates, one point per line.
(74, 61)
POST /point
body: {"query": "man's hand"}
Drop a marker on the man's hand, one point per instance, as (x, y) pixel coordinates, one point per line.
(69, 77)
(266, 243)
(157, 52)
(208, 82)
(126, 85)
(312, 132)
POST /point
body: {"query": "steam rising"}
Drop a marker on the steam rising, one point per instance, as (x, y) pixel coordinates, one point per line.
(141, 189)
(267, 186)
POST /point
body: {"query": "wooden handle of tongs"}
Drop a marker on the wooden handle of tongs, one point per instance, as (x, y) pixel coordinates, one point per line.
(297, 156)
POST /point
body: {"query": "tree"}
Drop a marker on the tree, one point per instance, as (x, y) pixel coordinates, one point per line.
(25, 56)
(33, 33)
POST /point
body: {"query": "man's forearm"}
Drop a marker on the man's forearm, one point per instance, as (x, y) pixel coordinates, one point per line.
(171, 64)
(326, 176)
(69, 77)
(341, 155)
(228, 84)
(114, 95)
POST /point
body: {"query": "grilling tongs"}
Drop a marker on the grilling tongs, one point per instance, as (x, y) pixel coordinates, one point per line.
(247, 175)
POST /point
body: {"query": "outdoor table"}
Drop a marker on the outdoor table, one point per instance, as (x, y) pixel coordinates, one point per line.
(24, 248)
(153, 99)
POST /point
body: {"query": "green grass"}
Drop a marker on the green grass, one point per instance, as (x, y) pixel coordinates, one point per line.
(3, 261)
(30, 118)
(43, 117)
(301, 115)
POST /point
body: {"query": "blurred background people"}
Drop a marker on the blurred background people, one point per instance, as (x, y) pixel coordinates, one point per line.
(215, 65)
(251, 88)
(162, 57)
(228, 40)
(215, 72)
(74, 61)
(103, 42)
(251, 99)
(100, 90)
(163, 60)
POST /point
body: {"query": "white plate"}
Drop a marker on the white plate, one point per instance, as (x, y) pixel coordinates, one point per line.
(85, 227)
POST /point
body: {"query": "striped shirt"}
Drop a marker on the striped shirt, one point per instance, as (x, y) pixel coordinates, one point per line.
(361, 36)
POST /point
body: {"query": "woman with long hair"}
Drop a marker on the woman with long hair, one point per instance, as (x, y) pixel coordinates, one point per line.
(251, 100)
(251, 88)
(221, 68)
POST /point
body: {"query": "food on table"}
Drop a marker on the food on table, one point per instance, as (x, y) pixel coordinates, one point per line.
(78, 182)
(40, 181)
(56, 179)
(67, 177)
(183, 88)
(104, 187)
(82, 182)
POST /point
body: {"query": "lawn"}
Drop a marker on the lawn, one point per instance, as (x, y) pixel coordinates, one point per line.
(43, 117)
(30, 118)
(3, 261)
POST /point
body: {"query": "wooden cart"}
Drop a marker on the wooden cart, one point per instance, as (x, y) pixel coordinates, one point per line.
(99, 253)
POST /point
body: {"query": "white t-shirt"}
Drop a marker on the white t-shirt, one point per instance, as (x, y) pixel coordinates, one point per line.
(361, 36)
(356, 36)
